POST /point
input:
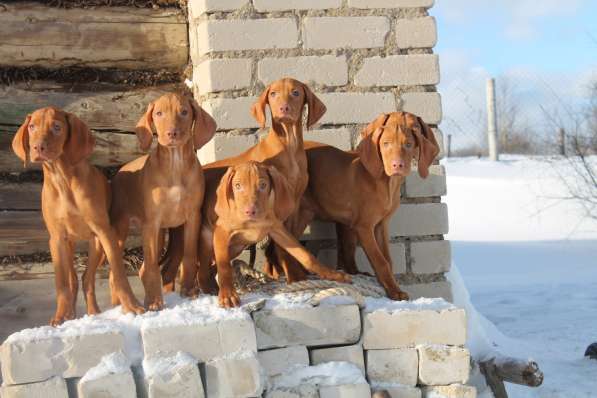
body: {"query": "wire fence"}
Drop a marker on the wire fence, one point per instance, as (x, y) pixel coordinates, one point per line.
(534, 112)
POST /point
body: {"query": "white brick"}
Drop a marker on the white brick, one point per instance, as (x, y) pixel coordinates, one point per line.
(416, 33)
(442, 289)
(442, 365)
(397, 253)
(403, 391)
(328, 70)
(246, 34)
(338, 32)
(433, 185)
(390, 3)
(231, 113)
(216, 339)
(174, 376)
(52, 388)
(393, 366)
(452, 391)
(277, 5)
(383, 330)
(71, 356)
(346, 108)
(214, 75)
(430, 257)
(233, 377)
(224, 146)
(351, 353)
(361, 390)
(340, 138)
(198, 7)
(426, 105)
(112, 377)
(419, 219)
(307, 326)
(302, 391)
(395, 70)
(276, 361)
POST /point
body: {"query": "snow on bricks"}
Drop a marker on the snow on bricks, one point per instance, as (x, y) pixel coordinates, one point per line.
(112, 377)
(407, 324)
(34, 355)
(307, 326)
(175, 376)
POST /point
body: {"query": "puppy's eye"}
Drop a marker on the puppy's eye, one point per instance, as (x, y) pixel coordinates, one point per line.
(386, 144)
(57, 128)
(32, 127)
(408, 145)
(237, 186)
(296, 93)
(262, 185)
(158, 113)
(272, 94)
(184, 112)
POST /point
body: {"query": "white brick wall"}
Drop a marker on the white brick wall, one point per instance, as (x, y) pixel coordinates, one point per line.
(198, 7)
(214, 75)
(329, 70)
(416, 33)
(348, 108)
(246, 34)
(225, 145)
(397, 253)
(389, 3)
(433, 185)
(395, 70)
(340, 138)
(339, 32)
(430, 257)
(426, 105)
(231, 113)
(277, 5)
(443, 365)
(397, 366)
(420, 219)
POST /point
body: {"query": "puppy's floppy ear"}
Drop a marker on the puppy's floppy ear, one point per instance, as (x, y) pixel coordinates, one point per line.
(204, 126)
(224, 195)
(258, 108)
(283, 201)
(80, 141)
(20, 142)
(368, 148)
(428, 148)
(143, 128)
(316, 108)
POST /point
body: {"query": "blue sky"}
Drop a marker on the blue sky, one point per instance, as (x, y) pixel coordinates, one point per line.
(543, 51)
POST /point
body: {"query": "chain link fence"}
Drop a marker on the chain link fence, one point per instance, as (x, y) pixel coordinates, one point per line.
(534, 112)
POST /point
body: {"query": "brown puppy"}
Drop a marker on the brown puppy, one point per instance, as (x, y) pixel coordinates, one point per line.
(250, 203)
(282, 148)
(165, 188)
(75, 203)
(361, 190)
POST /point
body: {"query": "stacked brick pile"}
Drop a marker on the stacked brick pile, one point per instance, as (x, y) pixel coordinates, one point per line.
(411, 350)
(361, 57)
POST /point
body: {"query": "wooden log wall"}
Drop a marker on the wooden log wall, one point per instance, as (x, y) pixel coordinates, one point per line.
(111, 41)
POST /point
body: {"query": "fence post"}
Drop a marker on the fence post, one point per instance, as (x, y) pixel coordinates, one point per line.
(562, 141)
(492, 121)
(449, 146)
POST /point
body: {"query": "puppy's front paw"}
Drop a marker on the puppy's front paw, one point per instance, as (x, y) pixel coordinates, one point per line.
(398, 295)
(228, 298)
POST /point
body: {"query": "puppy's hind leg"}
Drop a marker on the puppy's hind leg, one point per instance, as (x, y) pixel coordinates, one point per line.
(96, 259)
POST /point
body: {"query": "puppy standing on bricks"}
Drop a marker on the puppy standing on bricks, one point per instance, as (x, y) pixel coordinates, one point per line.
(282, 148)
(75, 202)
(165, 188)
(361, 191)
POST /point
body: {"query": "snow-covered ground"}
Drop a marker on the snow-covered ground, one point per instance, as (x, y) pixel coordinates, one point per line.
(529, 262)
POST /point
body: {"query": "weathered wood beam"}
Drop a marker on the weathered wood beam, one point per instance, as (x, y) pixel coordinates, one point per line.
(502, 369)
(107, 37)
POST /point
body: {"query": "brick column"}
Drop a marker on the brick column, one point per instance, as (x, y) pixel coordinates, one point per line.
(361, 57)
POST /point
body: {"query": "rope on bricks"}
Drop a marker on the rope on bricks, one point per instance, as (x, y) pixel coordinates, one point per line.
(338, 291)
